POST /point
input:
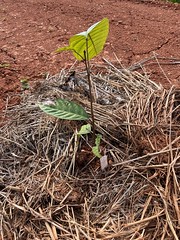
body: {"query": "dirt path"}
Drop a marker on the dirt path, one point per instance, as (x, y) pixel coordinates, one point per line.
(30, 30)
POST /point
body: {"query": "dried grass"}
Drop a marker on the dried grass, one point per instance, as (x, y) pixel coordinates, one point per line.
(47, 193)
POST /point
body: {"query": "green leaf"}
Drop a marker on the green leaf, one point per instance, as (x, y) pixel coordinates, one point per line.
(98, 139)
(95, 149)
(91, 41)
(64, 109)
(85, 129)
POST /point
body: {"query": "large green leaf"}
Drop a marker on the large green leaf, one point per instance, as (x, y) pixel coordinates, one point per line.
(91, 41)
(65, 109)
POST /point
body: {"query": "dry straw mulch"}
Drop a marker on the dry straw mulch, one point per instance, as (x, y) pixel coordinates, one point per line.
(48, 192)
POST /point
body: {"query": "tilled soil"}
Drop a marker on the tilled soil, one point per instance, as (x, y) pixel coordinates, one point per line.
(32, 29)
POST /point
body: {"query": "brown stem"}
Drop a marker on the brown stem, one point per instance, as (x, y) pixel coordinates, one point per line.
(86, 60)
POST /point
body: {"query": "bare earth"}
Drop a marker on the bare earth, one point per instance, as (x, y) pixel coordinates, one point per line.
(30, 31)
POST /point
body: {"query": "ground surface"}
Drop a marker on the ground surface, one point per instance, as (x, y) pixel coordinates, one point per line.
(30, 30)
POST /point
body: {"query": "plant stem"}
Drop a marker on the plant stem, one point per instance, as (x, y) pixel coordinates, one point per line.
(87, 65)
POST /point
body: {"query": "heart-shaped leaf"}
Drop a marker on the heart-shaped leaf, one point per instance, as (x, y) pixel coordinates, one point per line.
(90, 42)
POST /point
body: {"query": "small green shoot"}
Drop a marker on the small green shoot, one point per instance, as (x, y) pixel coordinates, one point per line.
(85, 129)
(95, 149)
(84, 46)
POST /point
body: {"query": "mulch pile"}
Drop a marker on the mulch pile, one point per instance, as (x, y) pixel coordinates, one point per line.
(53, 187)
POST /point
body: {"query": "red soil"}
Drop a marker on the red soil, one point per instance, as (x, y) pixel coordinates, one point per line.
(32, 29)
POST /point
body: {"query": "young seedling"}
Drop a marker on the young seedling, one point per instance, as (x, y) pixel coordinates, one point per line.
(85, 46)
(96, 151)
